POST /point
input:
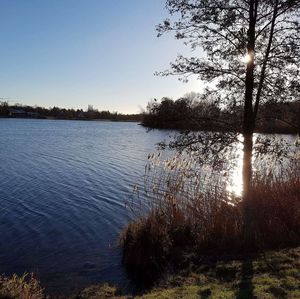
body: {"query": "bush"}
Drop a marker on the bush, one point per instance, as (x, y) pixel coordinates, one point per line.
(146, 247)
(24, 287)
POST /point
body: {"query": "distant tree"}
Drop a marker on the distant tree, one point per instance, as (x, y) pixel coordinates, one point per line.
(247, 51)
(90, 108)
(3, 108)
(185, 113)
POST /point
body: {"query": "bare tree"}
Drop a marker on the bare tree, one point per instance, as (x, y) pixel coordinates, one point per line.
(247, 51)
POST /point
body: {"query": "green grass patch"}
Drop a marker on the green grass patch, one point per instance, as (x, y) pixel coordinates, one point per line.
(274, 274)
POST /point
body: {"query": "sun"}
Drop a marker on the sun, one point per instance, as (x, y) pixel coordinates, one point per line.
(247, 58)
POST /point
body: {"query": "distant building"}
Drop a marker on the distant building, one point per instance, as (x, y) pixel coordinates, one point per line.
(80, 114)
(33, 115)
(20, 113)
(17, 113)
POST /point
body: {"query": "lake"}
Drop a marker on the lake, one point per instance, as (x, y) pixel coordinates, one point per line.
(63, 188)
(63, 192)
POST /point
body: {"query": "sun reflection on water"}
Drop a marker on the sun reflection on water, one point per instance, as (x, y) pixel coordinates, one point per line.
(235, 181)
(234, 184)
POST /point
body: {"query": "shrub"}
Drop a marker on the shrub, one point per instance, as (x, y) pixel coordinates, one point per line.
(24, 287)
(146, 247)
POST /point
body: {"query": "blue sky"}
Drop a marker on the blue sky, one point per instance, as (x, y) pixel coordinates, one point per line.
(71, 53)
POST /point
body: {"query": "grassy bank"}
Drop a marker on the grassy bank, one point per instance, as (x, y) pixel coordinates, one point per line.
(274, 274)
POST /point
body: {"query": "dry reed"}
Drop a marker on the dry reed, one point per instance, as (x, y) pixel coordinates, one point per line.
(190, 207)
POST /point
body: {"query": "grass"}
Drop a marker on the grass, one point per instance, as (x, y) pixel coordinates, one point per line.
(20, 287)
(102, 291)
(274, 274)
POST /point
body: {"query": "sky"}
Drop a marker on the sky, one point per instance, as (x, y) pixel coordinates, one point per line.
(72, 53)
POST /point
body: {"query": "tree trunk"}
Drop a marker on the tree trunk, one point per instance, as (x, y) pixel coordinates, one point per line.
(248, 125)
(249, 120)
(247, 165)
(248, 213)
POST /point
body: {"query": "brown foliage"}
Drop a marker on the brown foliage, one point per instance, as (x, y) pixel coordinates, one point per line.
(23, 287)
(212, 222)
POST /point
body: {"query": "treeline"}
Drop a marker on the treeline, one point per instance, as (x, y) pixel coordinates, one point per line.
(23, 111)
(190, 113)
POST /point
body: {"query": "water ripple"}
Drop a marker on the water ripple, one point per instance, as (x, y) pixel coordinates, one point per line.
(63, 185)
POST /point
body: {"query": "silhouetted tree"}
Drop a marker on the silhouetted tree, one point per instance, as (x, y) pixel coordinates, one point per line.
(186, 113)
(3, 108)
(246, 50)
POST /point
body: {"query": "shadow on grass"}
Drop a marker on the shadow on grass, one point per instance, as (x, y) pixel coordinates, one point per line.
(246, 288)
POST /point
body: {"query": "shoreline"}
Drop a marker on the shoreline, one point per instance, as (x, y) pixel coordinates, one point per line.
(72, 119)
(271, 274)
(267, 132)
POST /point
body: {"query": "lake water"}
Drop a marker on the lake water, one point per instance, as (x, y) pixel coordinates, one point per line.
(63, 189)
(63, 185)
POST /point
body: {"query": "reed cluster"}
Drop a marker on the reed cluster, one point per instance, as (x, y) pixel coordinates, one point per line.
(192, 211)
